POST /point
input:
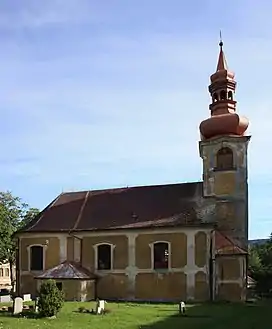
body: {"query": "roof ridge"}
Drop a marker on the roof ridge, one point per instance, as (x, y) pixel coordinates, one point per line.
(133, 186)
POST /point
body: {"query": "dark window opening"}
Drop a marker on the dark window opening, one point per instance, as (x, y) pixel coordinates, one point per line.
(36, 258)
(59, 285)
(161, 255)
(104, 257)
(223, 95)
(230, 95)
(215, 97)
(224, 159)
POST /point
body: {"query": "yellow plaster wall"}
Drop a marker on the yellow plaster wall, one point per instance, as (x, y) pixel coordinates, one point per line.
(178, 249)
(201, 286)
(70, 248)
(160, 286)
(200, 249)
(112, 286)
(230, 292)
(224, 183)
(228, 268)
(52, 254)
(120, 255)
(28, 284)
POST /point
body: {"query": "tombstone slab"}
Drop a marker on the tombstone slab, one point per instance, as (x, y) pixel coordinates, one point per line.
(18, 305)
(27, 298)
(100, 307)
(5, 299)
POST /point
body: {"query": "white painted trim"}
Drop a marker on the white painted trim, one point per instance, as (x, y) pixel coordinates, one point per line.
(116, 232)
(184, 270)
(96, 256)
(191, 266)
(29, 256)
(131, 270)
(151, 245)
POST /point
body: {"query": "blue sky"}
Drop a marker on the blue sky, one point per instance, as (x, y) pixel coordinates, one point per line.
(97, 94)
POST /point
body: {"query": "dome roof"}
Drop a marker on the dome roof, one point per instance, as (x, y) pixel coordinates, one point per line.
(223, 124)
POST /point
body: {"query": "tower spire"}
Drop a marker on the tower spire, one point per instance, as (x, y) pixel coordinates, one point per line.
(224, 120)
(222, 63)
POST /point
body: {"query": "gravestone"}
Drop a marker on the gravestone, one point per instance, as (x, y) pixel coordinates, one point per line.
(27, 298)
(36, 305)
(100, 306)
(5, 299)
(182, 308)
(18, 305)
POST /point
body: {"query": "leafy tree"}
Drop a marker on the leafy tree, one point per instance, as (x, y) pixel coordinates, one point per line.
(14, 214)
(260, 265)
(29, 215)
(255, 263)
(50, 299)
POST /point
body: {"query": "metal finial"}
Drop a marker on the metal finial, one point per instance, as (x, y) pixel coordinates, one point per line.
(221, 41)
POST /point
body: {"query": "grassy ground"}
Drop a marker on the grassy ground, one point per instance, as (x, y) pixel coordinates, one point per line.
(148, 316)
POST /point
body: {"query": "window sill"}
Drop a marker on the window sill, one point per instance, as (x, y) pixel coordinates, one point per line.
(161, 270)
(224, 169)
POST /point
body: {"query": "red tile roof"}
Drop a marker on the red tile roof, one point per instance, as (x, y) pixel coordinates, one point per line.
(67, 270)
(225, 245)
(124, 208)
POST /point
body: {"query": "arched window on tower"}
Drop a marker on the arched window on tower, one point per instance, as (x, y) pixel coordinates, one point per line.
(224, 159)
(230, 95)
(223, 95)
(215, 97)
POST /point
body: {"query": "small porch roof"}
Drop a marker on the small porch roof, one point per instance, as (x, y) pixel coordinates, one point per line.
(225, 245)
(67, 270)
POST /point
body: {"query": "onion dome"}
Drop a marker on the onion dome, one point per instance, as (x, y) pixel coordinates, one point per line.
(224, 120)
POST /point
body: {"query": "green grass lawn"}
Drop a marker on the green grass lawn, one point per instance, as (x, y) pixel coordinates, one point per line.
(148, 316)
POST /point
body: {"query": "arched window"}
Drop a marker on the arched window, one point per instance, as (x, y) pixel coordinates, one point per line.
(161, 255)
(230, 95)
(223, 95)
(1, 272)
(104, 257)
(215, 97)
(224, 159)
(36, 258)
(7, 272)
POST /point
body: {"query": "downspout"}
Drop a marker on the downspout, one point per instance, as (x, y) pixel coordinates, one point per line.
(76, 223)
(80, 239)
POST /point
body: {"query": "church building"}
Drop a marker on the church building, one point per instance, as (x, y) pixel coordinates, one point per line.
(185, 241)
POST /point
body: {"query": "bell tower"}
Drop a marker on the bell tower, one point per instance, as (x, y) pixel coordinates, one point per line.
(223, 149)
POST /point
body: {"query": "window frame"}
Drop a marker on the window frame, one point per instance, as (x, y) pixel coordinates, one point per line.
(152, 248)
(96, 246)
(44, 248)
(227, 168)
(7, 272)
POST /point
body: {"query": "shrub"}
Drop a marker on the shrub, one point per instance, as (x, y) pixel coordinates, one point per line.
(50, 299)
